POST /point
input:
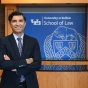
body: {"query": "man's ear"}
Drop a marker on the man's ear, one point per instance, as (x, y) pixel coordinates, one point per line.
(25, 23)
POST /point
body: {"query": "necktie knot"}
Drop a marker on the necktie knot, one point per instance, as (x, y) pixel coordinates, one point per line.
(19, 39)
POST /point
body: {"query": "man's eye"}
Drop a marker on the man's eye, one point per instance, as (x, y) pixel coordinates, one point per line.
(13, 20)
(20, 20)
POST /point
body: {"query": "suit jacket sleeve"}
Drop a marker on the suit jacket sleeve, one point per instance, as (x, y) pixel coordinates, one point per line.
(9, 64)
(36, 63)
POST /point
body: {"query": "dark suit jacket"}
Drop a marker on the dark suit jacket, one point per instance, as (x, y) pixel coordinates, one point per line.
(31, 49)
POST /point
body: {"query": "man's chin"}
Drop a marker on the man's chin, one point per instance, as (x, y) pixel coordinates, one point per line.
(18, 32)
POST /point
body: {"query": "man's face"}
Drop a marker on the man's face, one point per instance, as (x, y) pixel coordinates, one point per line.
(17, 24)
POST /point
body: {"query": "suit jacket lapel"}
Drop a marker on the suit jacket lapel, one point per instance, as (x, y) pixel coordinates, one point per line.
(25, 45)
(14, 45)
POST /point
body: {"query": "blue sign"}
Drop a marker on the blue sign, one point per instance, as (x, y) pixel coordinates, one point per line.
(61, 35)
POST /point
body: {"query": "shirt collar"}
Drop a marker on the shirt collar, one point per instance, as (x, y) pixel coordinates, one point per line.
(15, 36)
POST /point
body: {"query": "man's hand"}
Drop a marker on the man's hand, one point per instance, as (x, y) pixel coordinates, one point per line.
(29, 60)
(14, 70)
(6, 57)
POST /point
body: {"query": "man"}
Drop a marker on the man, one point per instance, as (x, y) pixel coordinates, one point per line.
(20, 56)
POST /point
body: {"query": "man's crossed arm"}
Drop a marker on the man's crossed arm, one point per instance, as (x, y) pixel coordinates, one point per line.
(28, 60)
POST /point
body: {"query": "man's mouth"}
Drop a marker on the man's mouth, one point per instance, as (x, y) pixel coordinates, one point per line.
(18, 27)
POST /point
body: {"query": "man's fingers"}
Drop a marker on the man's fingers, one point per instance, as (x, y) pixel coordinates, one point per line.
(6, 57)
(29, 60)
(14, 70)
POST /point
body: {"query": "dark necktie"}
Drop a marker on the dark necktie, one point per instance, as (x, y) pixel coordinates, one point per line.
(19, 45)
(22, 78)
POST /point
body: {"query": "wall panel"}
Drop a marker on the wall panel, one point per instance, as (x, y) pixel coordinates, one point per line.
(41, 1)
(63, 79)
(8, 10)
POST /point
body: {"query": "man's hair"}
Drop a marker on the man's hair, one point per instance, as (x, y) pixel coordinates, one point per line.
(16, 13)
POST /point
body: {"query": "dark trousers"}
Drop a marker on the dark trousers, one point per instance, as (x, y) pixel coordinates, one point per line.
(22, 85)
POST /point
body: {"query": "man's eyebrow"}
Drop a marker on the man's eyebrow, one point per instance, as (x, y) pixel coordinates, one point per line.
(20, 19)
(14, 20)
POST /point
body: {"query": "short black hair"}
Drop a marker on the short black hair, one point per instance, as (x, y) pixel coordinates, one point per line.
(16, 13)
